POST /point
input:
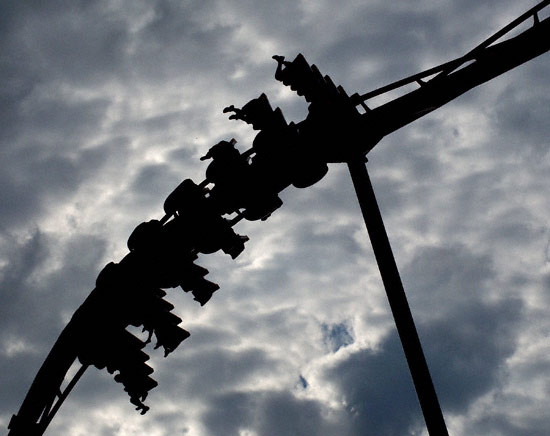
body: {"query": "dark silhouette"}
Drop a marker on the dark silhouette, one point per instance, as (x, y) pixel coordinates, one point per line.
(199, 218)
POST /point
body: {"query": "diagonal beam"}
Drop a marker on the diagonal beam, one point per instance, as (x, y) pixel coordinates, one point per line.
(399, 305)
(449, 66)
(489, 63)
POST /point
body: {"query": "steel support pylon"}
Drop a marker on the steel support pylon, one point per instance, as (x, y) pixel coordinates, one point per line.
(399, 305)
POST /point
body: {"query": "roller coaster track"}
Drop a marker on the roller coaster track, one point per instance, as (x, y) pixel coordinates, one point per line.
(436, 87)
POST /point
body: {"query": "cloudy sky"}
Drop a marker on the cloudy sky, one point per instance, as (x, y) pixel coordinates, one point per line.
(106, 105)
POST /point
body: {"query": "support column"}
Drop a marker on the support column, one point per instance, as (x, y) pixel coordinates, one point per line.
(398, 301)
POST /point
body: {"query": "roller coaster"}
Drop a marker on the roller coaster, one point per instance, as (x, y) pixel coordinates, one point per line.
(199, 218)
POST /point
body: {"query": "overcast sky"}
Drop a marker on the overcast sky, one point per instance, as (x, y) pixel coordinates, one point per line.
(107, 105)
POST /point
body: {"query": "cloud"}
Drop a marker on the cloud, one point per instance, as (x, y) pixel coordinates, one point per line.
(467, 340)
(376, 391)
(267, 413)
